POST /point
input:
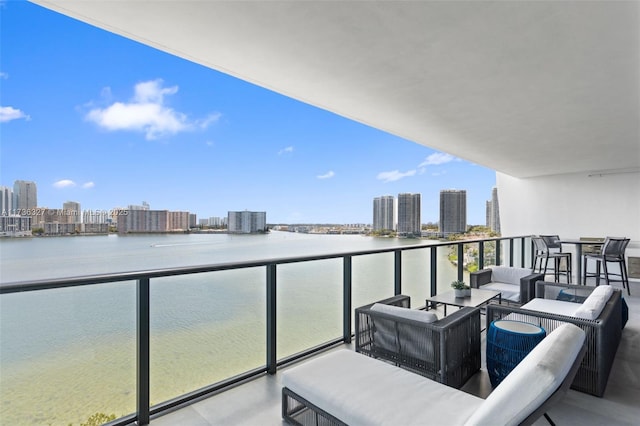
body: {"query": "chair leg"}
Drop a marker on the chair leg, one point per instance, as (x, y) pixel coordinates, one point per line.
(546, 265)
(606, 272)
(546, 416)
(625, 276)
(535, 264)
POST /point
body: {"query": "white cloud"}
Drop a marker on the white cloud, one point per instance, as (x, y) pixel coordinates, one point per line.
(4, 75)
(285, 150)
(207, 121)
(9, 113)
(394, 175)
(64, 183)
(437, 158)
(88, 185)
(327, 175)
(147, 113)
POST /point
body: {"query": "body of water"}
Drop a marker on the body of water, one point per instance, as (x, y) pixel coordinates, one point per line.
(68, 353)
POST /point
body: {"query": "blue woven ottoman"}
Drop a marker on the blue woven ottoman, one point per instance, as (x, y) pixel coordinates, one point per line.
(508, 342)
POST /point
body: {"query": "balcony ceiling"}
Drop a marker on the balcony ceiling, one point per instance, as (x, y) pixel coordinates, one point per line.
(526, 88)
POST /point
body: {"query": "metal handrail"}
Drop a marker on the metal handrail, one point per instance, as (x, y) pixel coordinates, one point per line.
(143, 282)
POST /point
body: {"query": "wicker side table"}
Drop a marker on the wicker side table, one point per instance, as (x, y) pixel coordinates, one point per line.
(508, 342)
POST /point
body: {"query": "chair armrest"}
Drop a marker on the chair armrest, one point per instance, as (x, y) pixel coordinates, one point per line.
(478, 278)
(528, 287)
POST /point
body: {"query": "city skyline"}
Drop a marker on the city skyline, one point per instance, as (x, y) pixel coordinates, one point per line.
(97, 119)
(383, 217)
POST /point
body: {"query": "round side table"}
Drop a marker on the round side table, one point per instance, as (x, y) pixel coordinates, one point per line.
(508, 342)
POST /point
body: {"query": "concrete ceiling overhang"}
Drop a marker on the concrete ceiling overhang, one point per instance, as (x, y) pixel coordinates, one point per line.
(528, 88)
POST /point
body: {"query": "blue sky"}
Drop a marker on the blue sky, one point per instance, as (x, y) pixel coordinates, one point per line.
(107, 122)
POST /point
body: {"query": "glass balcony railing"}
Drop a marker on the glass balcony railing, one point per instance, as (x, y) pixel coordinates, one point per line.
(153, 340)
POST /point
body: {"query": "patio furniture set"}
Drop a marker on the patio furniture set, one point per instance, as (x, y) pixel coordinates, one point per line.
(546, 338)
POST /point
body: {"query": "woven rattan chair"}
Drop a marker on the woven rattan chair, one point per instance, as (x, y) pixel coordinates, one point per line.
(447, 350)
(603, 333)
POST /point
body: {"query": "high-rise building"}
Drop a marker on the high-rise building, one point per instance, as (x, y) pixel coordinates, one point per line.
(453, 211)
(70, 212)
(26, 195)
(178, 221)
(247, 222)
(95, 217)
(6, 201)
(143, 220)
(383, 214)
(409, 224)
(493, 211)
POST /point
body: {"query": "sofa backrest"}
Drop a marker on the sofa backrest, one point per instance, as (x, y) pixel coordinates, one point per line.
(534, 380)
(389, 337)
(508, 275)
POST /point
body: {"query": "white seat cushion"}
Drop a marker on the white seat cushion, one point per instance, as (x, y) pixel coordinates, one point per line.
(364, 391)
(552, 306)
(509, 291)
(537, 376)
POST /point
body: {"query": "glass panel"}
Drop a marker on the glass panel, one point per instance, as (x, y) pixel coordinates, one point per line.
(489, 253)
(416, 277)
(373, 278)
(68, 354)
(504, 252)
(309, 305)
(205, 328)
(470, 260)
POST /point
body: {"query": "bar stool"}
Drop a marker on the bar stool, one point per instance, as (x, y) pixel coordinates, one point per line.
(594, 248)
(544, 250)
(612, 251)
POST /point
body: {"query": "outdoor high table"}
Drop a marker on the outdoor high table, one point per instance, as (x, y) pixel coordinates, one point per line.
(508, 342)
(578, 257)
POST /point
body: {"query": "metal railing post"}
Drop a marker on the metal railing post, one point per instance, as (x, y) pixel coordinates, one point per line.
(397, 288)
(511, 252)
(346, 299)
(433, 279)
(498, 255)
(271, 318)
(142, 351)
(481, 255)
(460, 261)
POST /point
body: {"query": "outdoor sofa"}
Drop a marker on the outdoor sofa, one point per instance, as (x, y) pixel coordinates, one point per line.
(517, 285)
(596, 310)
(345, 387)
(446, 350)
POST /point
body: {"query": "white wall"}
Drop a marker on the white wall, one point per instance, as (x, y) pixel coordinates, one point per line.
(572, 206)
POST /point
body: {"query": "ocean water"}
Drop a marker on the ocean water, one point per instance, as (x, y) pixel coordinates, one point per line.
(69, 353)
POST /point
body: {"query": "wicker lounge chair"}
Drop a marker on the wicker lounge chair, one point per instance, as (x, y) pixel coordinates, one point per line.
(344, 387)
(558, 303)
(445, 350)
